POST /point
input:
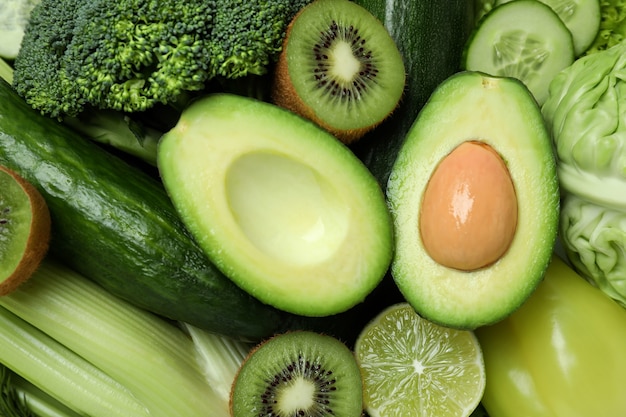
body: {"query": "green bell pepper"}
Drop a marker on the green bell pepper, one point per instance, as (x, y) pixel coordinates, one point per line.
(561, 354)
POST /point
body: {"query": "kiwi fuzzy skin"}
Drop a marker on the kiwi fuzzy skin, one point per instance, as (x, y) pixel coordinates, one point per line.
(284, 95)
(38, 239)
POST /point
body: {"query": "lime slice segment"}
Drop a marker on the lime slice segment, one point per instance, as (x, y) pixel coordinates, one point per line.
(413, 367)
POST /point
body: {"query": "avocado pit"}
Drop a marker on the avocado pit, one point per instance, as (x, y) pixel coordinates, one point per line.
(469, 209)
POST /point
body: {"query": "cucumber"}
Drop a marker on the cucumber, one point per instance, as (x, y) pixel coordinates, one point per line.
(115, 224)
(523, 39)
(431, 36)
(581, 17)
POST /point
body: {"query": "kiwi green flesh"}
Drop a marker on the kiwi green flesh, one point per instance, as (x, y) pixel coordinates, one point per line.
(502, 113)
(344, 65)
(15, 222)
(24, 230)
(298, 373)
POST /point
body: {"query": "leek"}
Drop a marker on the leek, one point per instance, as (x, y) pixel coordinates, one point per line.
(152, 358)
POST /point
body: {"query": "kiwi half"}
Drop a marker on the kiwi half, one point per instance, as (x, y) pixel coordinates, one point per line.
(24, 230)
(340, 68)
(299, 373)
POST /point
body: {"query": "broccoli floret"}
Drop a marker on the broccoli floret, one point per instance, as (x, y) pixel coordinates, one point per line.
(39, 74)
(247, 34)
(129, 55)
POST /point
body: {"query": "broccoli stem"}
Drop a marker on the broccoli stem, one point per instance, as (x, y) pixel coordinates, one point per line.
(109, 127)
(6, 71)
(118, 130)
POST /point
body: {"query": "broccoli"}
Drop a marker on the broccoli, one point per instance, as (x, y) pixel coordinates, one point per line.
(130, 56)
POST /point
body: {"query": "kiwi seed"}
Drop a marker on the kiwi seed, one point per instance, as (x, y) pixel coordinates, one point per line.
(340, 68)
(24, 230)
(298, 373)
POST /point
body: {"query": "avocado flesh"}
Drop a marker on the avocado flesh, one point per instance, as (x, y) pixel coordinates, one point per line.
(280, 206)
(501, 113)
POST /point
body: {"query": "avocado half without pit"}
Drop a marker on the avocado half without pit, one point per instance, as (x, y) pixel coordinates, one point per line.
(475, 202)
(279, 205)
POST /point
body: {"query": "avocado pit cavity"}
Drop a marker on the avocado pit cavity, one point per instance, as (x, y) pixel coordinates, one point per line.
(285, 208)
(469, 209)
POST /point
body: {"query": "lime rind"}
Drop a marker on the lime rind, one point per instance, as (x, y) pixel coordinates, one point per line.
(411, 366)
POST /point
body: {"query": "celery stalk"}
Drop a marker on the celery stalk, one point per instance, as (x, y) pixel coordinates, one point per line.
(61, 373)
(20, 398)
(153, 358)
(12, 401)
(219, 356)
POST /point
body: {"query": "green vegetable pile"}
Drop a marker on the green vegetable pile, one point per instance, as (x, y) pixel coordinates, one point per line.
(134, 310)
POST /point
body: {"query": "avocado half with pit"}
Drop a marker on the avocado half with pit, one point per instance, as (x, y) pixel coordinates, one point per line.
(475, 201)
(279, 205)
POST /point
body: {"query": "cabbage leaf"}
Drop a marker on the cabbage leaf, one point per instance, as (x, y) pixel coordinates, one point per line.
(585, 113)
(594, 239)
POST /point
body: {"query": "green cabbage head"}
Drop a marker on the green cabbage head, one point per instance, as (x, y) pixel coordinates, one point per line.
(586, 115)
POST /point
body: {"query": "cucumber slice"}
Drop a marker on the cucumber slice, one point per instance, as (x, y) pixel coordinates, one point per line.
(582, 18)
(523, 39)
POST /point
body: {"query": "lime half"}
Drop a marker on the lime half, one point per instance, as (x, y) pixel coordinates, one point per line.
(413, 367)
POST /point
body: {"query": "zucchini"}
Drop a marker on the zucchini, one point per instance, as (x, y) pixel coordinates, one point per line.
(431, 36)
(115, 224)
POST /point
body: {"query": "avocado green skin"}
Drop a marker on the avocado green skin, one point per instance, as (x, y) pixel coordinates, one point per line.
(431, 36)
(114, 223)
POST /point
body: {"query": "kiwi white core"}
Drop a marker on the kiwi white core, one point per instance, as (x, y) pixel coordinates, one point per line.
(345, 66)
(298, 396)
